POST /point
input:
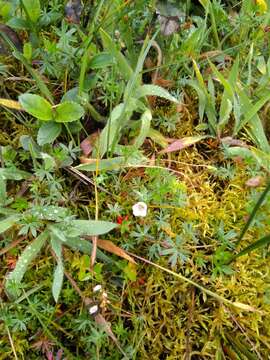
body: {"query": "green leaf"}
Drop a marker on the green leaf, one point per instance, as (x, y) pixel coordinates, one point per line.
(253, 213)
(13, 174)
(27, 51)
(110, 45)
(68, 111)
(109, 164)
(36, 106)
(154, 90)
(28, 255)
(256, 245)
(57, 232)
(101, 60)
(49, 212)
(85, 246)
(110, 131)
(145, 127)
(90, 227)
(48, 132)
(32, 9)
(251, 119)
(58, 276)
(8, 222)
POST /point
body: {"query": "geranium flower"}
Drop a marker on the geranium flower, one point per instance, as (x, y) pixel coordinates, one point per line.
(139, 209)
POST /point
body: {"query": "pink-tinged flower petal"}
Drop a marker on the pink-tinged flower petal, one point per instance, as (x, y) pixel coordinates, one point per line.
(139, 209)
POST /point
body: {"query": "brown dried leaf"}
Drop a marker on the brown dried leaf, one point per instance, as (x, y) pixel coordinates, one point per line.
(255, 181)
(167, 84)
(182, 143)
(114, 249)
(86, 146)
(228, 140)
(85, 160)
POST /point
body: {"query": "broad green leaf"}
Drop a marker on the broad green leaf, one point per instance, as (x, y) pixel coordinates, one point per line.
(48, 132)
(32, 9)
(225, 111)
(18, 23)
(110, 164)
(145, 127)
(253, 109)
(251, 118)
(49, 212)
(27, 256)
(67, 111)
(109, 132)
(90, 227)
(101, 60)
(154, 90)
(27, 51)
(227, 86)
(8, 222)
(58, 276)
(13, 174)
(57, 232)
(199, 77)
(36, 106)
(202, 97)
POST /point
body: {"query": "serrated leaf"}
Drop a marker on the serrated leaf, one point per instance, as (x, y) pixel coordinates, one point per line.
(68, 111)
(27, 256)
(8, 223)
(48, 132)
(36, 106)
(90, 227)
(58, 276)
(154, 90)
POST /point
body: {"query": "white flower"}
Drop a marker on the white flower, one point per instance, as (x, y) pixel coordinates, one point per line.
(139, 209)
(93, 309)
(97, 288)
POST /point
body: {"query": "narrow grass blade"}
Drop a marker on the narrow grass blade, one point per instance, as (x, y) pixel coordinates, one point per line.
(253, 213)
(236, 304)
(256, 245)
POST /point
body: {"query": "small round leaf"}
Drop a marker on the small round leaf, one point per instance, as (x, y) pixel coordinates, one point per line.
(48, 132)
(68, 111)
